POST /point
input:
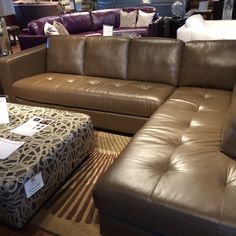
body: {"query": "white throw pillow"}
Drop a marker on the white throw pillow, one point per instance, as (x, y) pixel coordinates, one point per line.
(195, 21)
(50, 29)
(128, 19)
(144, 19)
(60, 28)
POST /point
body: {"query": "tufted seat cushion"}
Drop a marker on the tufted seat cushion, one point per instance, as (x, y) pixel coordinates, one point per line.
(172, 175)
(95, 93)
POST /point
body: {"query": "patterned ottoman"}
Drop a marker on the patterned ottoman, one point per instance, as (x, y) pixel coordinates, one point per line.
(52, 154)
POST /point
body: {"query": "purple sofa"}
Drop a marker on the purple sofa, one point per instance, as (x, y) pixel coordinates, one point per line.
(87, 23)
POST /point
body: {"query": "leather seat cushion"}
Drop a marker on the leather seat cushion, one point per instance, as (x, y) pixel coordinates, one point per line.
(95, 93)
(172, 174)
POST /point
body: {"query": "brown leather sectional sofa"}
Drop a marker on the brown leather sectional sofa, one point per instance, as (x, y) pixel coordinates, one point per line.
(178, 174)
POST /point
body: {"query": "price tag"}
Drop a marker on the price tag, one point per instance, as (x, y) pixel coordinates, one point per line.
(32, 126)
(107, 30)
(33, 185)
(7, 147)
(4, 117)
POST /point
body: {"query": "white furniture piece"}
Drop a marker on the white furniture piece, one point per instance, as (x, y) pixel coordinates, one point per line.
(196, 28)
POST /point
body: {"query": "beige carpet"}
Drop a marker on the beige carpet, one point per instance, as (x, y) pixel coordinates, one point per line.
(71, 210)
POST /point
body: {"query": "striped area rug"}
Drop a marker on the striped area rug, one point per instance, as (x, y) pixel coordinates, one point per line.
(71, 210)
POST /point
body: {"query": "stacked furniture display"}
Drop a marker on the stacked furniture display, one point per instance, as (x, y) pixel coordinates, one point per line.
(88, 23)
(178, 174)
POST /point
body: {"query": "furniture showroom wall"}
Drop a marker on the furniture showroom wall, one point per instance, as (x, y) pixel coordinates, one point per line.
(163, 7)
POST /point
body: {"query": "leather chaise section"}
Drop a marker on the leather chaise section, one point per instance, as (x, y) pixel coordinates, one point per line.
(172, 175)
(95, 93)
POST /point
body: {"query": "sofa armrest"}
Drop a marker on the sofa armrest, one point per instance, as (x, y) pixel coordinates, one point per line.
(156, 28)
(25, 31)
(21, 65)
(29, 41)
(184, 33)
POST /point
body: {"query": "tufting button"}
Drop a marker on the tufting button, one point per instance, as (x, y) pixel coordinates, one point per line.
(94, 81)
(70, 80)
(183, 140)
(50, 78)
(117, 85)
(207, 96)
(195, 123)
(200, 108)
(142, 86)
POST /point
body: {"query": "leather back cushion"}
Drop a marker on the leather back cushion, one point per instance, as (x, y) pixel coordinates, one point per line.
(228, 137)
(65, 54)
(106, 57)
(36, 27)
(210, 64)
(155, 59)
(77, 22)
(105, 17)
